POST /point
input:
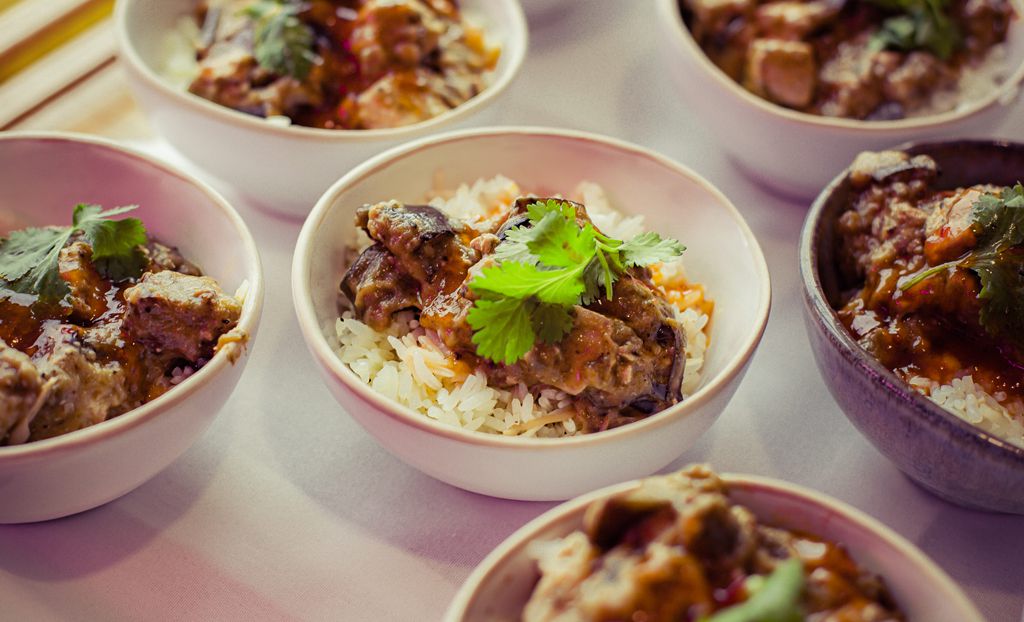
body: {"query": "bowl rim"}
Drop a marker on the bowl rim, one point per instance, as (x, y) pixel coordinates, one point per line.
(879, 375)
(752, 484)
(515, 47)
(248, 321)
(329, 361)
(1006, 94)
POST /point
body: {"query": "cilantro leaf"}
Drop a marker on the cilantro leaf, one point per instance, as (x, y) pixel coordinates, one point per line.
(30, 258)
(520, 281)
(516, 246)
(775, 598)
(559, 242)
(537, 210)
(546, 268)
(282, 43)
(115, 244)
(28, 261)
(919, 25)
(649, 248)
(503, 329)
(594, 280)
(551, 322)
(998, 260)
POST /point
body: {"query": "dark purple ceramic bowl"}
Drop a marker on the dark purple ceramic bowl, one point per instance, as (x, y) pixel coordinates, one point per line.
(943, 453)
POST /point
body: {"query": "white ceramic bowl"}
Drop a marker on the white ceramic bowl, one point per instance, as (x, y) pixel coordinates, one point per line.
(42, 176)
(722, 253)
(798, 153)
(500, 586)
(284, 168)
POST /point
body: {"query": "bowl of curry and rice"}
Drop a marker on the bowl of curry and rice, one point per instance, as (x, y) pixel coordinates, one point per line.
(911, 263)
(496, 306)
(823, 80)
(695, 545)
(248, 88)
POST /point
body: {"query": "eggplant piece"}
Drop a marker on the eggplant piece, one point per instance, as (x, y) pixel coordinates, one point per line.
(377, 288)
(882, 166)
(423, 240)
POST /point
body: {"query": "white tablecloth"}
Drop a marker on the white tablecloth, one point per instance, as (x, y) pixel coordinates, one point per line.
(286, 509)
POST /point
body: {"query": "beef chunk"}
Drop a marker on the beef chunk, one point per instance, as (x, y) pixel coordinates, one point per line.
(851, 79)
(20, 394)
(913, 82)
(163, 257)
(793, 20)
(88, 287)
(986, 23)
(80, 390)
(179, 314)
(390, 35)
(950, 226)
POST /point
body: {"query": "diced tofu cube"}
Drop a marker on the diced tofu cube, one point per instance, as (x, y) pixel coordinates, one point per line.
(794, 20)
(784, 72)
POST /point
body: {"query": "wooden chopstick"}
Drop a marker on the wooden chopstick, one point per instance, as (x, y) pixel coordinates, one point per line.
(31, 29)
(56, 73)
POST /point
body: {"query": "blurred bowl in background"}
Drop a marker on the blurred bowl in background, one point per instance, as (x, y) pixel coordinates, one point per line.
(285, 168)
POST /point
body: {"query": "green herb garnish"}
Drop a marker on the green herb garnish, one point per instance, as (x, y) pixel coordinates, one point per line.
(29, 257)
(282, 43)
(773, 599)
(543, 271)
(921, 25)
(998, 260)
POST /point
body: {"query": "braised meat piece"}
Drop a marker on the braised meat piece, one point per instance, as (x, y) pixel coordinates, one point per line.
(88, 288)
(161, 257)
(21, 393)
(179, 314)
(81, 390)
(623, 358)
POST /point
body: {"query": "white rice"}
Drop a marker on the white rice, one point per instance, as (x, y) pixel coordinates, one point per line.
(996, 414)
(975, 82)
(409, 365)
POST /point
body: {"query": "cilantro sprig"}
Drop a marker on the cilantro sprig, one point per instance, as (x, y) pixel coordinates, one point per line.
(543, 270)
(918, 25)
(775, 598)
(282, 43)
(29, 257)
(997, 259)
